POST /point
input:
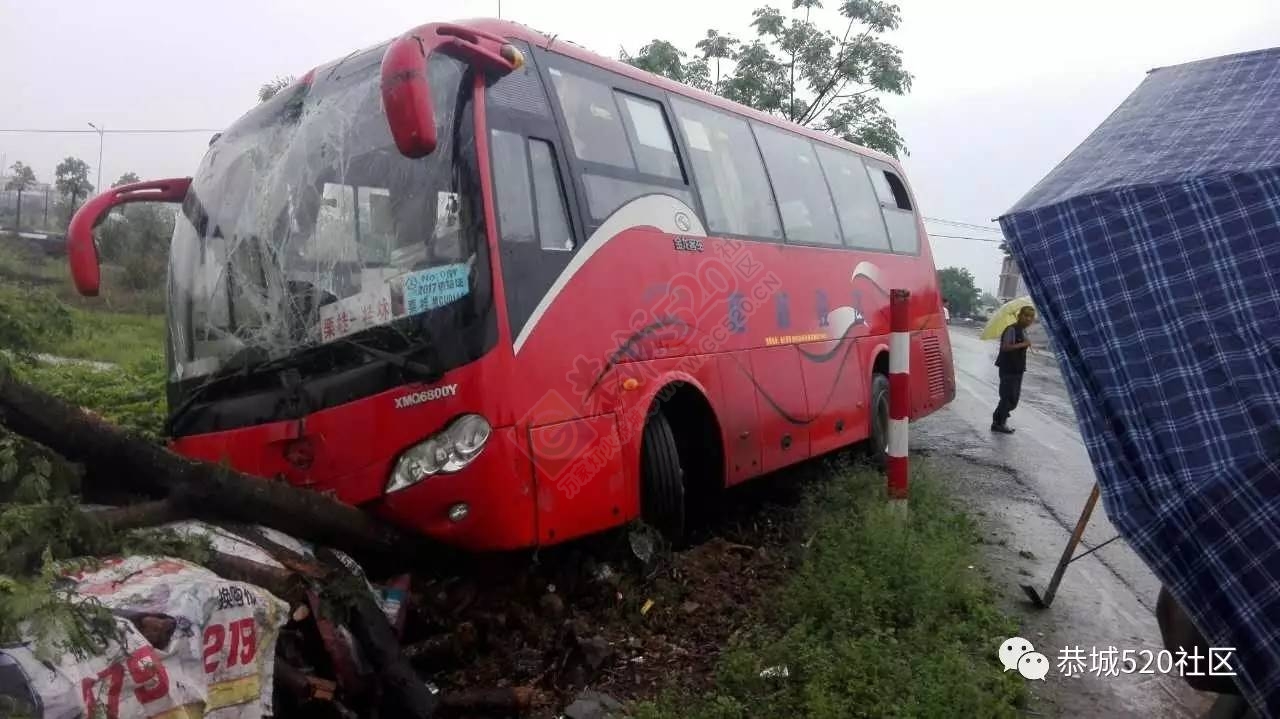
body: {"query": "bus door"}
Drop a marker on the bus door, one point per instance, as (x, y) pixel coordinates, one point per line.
(538, 231)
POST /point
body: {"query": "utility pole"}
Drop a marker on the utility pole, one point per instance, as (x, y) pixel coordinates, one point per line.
(46, 206)
(100, 132)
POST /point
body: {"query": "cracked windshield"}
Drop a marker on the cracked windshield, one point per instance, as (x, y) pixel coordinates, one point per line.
(304, 225)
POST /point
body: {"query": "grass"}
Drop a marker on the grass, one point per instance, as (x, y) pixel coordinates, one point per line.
(118, 338)
(885, 617)
(36, 318)
(131, 396)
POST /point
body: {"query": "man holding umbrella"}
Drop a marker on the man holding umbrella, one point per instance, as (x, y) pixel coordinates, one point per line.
(1012, 361)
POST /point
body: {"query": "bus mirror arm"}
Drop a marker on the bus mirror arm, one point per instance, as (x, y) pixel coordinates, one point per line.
(82, 252)
(406, 91)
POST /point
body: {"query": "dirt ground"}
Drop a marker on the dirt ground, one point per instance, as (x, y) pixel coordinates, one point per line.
(579, 616)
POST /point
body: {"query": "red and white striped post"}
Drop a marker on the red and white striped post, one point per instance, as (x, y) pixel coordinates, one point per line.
(899, 394)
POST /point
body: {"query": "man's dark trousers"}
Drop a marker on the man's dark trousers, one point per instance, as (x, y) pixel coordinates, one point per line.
(1010, 392)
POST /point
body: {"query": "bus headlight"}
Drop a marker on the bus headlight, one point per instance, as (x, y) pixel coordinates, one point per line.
(444, 452)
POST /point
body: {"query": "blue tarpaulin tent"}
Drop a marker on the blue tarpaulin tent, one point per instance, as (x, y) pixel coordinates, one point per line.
(1153, 254)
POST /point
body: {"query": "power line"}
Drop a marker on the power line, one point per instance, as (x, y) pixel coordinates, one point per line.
(148, 131)
(966, 237)
(957, 223)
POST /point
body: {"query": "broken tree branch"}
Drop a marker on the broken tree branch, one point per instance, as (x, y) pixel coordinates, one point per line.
(208, 490)
(404, 693)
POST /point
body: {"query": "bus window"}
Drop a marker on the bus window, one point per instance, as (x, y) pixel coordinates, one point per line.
(651, 137)
(553, 218)
(895, 203)
(729, 174)
(511, 187)
(856, 201)
(606, 194)
(595, 126)
(803, 197)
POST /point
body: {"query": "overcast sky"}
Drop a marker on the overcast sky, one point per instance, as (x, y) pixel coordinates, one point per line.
(1003, 88)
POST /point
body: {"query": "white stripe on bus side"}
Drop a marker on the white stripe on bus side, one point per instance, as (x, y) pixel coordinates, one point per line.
(658, 211)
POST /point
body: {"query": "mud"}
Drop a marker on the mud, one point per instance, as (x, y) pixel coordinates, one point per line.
(593, 615)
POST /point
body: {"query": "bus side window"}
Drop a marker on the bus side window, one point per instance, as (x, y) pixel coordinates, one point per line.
(856, 200)
(895, 203)
(728, 172)
(808, 214)
(511, 187)
(529, 209)
(553, 216)
(650, 136)
(622, 141)
(595, 124)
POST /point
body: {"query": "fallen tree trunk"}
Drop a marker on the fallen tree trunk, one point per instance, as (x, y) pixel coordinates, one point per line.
(283, 583)
(135, 516)
(208, 491)
(505, 700)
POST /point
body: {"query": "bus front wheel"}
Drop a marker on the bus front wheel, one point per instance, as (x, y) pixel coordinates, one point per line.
(662, 479)
(878, 439)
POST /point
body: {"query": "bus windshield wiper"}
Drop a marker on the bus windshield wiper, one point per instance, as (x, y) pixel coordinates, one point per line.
(235, 371)
(399, 360)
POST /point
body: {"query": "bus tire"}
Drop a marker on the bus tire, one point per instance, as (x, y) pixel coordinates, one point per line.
(662, 492)
(877, 448)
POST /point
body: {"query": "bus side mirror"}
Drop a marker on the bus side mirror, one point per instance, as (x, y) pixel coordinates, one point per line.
(406, 91)
(82, 253)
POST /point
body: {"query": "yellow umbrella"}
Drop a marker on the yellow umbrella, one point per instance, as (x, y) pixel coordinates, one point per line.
(1003, 317)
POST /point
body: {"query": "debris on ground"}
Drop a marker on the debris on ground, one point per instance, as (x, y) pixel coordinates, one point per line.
(593, 705)
(778, 672)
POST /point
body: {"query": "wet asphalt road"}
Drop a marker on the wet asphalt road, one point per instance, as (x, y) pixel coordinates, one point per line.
(1047, 451)
(1026, 491)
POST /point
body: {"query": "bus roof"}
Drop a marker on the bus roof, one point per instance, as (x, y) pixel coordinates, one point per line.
(506, 28)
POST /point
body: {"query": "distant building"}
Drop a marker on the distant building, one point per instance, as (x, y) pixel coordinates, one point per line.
(1012, 287)
(1011, 284)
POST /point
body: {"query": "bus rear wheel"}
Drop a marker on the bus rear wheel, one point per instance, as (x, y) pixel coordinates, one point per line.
(662, 491)
(878, 438)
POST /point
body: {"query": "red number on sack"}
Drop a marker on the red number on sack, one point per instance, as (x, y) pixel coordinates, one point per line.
(243, 647)
(248, 641)
(147, 671)
(114, 677)
(214, 637)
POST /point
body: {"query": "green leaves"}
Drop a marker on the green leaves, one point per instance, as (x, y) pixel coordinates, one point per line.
(73, 179)
(801, 72)
(959, 290)
(23, 177)
(662, 58)
(131, 397)
(29, 319)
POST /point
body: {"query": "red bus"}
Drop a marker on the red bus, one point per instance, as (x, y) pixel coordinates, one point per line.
(506, 292)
